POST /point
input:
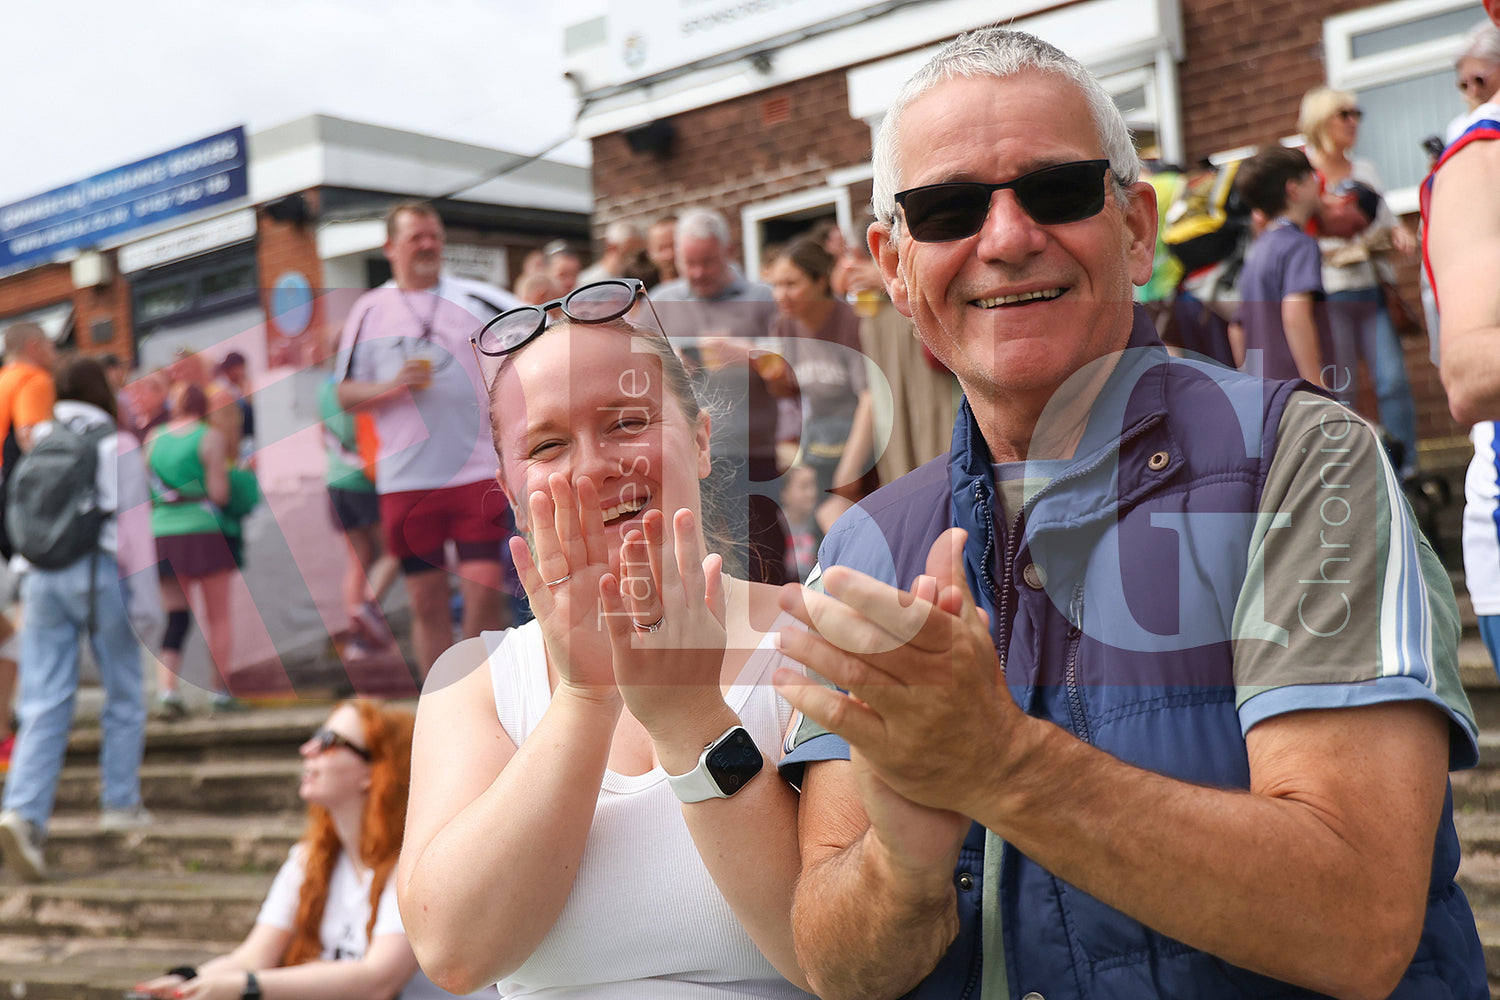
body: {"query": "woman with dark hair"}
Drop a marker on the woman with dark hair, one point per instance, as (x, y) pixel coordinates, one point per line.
(329, 927)
(108, 594)
(189, 464)
(595, 807)
(818, 335)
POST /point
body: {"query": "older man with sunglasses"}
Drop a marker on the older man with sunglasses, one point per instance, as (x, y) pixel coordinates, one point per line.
(1168, 706)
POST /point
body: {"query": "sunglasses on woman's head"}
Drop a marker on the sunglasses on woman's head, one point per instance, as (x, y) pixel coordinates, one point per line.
(327, 739)
(1052, 196)
(596, 302)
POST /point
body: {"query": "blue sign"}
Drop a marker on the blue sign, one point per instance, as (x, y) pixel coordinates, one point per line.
(134, 196)
(292, 304)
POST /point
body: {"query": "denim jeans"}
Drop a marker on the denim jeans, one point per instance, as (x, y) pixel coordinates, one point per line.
(1359, 328)
(1489, 631)
(56, 607)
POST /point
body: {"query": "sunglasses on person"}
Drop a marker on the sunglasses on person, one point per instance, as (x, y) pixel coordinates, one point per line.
(327, 739)
(1052, 196)
(596, 302)
(1349, 114)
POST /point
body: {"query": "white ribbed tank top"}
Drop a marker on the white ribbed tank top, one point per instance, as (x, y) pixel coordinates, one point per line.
(644, 919)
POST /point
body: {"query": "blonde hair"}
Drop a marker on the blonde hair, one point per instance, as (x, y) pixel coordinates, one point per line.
(1319, 105)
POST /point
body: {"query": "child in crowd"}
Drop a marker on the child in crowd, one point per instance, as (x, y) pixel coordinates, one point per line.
(1278, 331)
(799, 504)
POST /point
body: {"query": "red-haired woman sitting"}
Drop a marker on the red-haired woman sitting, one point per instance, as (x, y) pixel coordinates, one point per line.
(329, 928)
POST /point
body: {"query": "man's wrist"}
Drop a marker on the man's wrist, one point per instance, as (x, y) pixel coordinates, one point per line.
(252, 987)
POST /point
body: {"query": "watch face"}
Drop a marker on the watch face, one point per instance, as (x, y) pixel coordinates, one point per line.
(734, 762)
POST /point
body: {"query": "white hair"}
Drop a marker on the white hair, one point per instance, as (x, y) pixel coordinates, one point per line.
(702, 224)
(1482, 42)
(620, 232)
(1001, 53)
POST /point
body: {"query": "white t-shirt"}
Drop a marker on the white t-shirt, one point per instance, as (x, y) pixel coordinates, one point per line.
(1481, 531)
(346, 913)
(440, 435)
(644, 918)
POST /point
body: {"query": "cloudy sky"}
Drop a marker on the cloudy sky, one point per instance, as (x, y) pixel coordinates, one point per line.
(94, 84)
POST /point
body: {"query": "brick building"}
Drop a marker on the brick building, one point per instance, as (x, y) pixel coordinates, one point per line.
(270, 269)
(306, 217)
(766, 111)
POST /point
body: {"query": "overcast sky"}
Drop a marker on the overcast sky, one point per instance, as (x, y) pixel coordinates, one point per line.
(94, 84)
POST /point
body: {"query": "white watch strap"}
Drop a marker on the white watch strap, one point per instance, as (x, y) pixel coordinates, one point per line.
(698, 785)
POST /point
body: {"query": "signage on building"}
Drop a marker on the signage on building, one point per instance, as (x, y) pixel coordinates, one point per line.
(140, 194)
(651, 36)
(467, 260)
(236, 227)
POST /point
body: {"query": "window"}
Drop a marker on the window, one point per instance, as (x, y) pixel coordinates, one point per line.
(1134, 93)
(216, 283)
(1398, 57)
(768, 223)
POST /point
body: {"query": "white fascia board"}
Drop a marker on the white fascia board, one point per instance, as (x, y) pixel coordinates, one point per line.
(1107, 36)
(1103, 34)
(378, 171)
(321, 150)
(285, 173)
(341, 239)
(927, 22)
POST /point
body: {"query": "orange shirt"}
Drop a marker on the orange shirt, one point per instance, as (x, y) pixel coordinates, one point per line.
(26, 397)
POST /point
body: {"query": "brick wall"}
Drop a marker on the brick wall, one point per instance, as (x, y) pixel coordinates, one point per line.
(282, 248)
(726, 156)
(44, 286)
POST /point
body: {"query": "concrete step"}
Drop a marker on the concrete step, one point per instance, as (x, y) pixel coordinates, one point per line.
(1479, 876)
(126, 904)
(74, 968)
(174, 844)
(1488, 923)
(227, 788)
(271, 731)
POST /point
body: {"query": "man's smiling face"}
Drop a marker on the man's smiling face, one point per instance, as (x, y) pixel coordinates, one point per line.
(1017, 307)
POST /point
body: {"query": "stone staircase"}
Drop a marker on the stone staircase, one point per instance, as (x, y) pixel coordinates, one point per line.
(123, 907)
(1476, 806)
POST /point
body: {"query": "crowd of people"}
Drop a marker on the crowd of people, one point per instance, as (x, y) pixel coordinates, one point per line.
(774, 728)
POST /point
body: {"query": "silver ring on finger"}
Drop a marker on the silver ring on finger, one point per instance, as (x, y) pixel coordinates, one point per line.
(642, 627)
(558, 582)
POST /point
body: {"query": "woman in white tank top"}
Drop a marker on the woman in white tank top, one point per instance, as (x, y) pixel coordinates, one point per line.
(546, 848)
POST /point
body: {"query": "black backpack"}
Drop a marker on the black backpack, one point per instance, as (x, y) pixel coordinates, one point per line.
(52, 512)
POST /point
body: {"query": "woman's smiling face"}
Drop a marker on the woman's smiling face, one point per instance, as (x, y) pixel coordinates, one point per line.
(337, 774)
(586, 400)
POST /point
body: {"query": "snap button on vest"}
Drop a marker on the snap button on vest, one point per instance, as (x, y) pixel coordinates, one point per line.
(1035, 578)
(966, 882)
(1033, 996)
(1158, 461)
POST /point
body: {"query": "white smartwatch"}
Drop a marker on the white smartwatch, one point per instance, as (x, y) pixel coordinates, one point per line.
(725, 766)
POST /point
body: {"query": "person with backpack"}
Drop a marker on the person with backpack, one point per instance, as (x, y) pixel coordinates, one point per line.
(26, 399)
(93, 572)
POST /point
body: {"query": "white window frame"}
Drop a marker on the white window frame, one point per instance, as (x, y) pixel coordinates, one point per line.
(751, 216)
(1348, 72)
